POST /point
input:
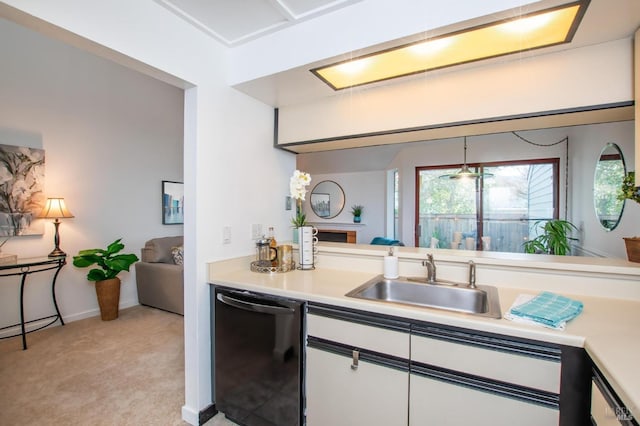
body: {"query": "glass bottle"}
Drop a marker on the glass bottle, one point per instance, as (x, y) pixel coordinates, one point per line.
(273, 244)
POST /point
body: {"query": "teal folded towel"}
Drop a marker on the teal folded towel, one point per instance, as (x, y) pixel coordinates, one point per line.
(549, 309)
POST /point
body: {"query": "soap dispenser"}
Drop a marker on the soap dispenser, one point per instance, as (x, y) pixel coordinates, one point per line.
(391, 265)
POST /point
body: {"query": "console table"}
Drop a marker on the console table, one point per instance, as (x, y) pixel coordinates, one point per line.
(25, 267)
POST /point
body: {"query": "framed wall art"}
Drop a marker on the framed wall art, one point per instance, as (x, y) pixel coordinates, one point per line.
(172, 203)
(21, 190)
(321, 204)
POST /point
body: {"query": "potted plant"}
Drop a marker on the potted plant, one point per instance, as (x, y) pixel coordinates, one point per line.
(110, 263)
(298, 189)
(356, 211)
(554, 238)
(629, 191)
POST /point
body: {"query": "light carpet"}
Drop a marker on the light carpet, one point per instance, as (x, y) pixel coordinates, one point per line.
(129, 371)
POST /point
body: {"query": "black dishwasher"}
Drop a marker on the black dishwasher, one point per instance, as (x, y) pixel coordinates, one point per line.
(258, 358)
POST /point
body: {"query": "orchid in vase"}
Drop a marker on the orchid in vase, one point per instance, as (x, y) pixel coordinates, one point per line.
(298, 189)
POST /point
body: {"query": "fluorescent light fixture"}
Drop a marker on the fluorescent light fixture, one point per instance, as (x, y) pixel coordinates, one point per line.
(544, 28)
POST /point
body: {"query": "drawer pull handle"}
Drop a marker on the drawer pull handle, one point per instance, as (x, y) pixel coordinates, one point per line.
(354, 363)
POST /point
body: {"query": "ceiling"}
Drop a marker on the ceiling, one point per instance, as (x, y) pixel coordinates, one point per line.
(241, 24)
(237, 22)
(601, 23)
(234, 22)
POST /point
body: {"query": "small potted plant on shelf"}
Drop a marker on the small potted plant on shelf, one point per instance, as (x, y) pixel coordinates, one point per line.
(356, 211)
(629, 191)
(554, 238)
(110, 263)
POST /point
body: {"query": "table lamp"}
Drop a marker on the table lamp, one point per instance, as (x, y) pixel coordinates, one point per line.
(55, 208)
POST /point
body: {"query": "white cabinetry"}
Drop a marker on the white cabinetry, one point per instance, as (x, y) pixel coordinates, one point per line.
(337, 395)
(437, 402)
(606, 407)
(357, 372)
(461, 378)
(369, 369)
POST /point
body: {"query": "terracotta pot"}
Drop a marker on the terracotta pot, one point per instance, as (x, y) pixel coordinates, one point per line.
(633, 248)
(108, 292)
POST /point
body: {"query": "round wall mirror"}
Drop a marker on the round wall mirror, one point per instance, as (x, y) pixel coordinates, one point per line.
(327, 199)
(610, 171)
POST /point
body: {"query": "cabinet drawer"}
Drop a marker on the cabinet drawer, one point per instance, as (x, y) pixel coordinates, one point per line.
(498, 365)
(434, 402)
(357, 335)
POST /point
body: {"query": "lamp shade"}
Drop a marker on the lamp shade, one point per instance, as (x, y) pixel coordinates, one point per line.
(55, 208)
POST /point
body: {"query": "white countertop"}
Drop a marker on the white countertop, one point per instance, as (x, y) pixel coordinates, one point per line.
(609, 329)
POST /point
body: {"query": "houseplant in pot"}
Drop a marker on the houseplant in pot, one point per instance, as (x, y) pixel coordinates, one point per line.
(554, 238)
(110, 263)
(298, 189)
(356, 211)
(629, 191)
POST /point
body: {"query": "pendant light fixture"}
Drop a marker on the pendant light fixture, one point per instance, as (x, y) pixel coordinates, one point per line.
(465, 172)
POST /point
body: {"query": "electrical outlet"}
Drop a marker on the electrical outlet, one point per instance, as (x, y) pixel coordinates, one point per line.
(256, 231)
(226, 235)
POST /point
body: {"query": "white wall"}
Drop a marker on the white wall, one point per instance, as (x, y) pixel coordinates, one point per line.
(359, 188)
(586, 144)
(232, 174)
(110, 137)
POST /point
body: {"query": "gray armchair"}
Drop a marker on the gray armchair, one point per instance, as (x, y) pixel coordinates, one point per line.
(159, 279)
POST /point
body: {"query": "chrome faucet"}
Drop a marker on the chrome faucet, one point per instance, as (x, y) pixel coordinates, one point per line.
(472, 274)
(431, 268)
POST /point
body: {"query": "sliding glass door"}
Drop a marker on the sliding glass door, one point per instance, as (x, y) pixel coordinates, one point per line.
(494, 213)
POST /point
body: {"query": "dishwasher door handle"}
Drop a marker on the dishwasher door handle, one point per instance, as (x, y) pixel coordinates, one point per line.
(254, 307)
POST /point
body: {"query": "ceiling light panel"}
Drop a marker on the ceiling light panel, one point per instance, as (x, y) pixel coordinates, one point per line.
(540, 29)
(229, 21)
(237, 21)
(312, 7)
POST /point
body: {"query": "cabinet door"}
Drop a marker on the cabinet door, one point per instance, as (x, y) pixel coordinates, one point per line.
(601, 411)
(437, 402)
(493, 357)
(338, 395)
(606, 407)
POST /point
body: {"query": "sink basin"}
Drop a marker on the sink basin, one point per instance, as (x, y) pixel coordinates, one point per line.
(481, 301)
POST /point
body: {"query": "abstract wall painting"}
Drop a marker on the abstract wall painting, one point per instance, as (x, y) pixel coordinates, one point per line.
(172, 203)
(21, 190)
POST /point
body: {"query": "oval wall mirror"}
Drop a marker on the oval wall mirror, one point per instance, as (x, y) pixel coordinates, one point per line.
(327, 199)
(607, 180)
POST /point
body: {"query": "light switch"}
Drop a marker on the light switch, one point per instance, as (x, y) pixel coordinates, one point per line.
(226, 235)
(256, 231)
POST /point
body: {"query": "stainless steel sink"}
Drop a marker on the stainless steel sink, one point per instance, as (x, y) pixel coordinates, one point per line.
(480, 301)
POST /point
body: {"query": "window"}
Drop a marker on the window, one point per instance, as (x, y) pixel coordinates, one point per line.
(503, 207)
(392, 205)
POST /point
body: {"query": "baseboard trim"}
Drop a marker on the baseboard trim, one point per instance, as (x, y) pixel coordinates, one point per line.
(190, 416)
(67, 318)
(207, 414)
(96, 311)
